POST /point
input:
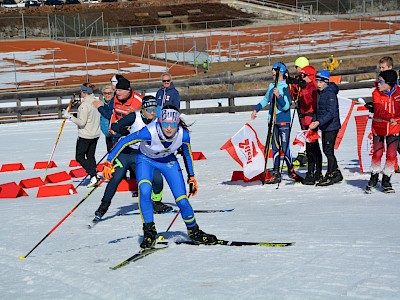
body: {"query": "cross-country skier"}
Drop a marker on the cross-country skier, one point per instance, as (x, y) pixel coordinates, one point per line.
(127, 159)
(281, 129)
(158, 143)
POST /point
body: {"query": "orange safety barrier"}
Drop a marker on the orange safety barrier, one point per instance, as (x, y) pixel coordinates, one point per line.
(238, 175)
(11, 190)
(44, 165)
(31, 182)
(56, 190)
(74, 163)
(198, 156)
(12, 167)
(127, 185)
(57, 177)
(77, 173)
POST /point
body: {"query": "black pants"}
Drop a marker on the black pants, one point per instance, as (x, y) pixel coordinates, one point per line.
(314, 158)
(85, 151)
(328, 146)
(109, 143)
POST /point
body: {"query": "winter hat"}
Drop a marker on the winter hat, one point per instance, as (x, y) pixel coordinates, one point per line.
(148, 101)
(169, 113)
(281, 66)
(86, 89)
(114, 80)
(390, 77)
(123, 84)
(301, 62)
(309, 71)
(323, 75)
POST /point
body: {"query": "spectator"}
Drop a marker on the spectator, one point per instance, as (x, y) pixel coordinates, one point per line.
(105, 106)
(167, 94)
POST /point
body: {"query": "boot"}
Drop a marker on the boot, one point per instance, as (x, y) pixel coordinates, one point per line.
(293, 175)
(200, 237)
(309, 179)
(386, 185)
(329, 179)
(301, 160)
(318, 176)
(373, 181)
(338, 176)
(159, 207)
(275, 178)
(149, 235)
(94, 180)
(101, 211)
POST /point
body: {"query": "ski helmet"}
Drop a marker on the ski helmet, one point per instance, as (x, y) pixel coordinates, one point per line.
(281, 66)
(301, 62)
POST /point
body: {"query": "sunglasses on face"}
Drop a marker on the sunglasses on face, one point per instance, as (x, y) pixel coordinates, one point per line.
(166, 80)
(107, 93)
(380, 81)
(171, 124)
(151, 110)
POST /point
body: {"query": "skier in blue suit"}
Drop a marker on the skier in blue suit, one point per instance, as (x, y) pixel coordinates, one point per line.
(158, 143)
(281, 130)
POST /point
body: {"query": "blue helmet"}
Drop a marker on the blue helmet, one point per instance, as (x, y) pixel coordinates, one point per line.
(281, 66)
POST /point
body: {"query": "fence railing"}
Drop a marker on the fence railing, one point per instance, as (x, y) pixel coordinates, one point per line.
(47, 104)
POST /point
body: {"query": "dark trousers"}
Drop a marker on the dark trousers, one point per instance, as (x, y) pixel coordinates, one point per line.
(328, 146)
(314, 158)
(109, 143)
(85, 151)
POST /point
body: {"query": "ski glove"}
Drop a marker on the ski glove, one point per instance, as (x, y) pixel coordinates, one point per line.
(193, 187)
(66, 114)
(369, 106)
(108, 170)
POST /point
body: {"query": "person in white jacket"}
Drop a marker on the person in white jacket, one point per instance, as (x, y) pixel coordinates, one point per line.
(88, 122)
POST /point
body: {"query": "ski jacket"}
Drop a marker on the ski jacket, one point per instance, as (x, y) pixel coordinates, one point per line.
(122, 108)
(168, 96)
(154, 145)
(105, 115)
(386, 107)
(328, 108)
(88, 119)
(307, 104)
(282, 112)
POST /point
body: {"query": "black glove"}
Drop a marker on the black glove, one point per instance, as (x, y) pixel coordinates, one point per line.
(369, 106)
(302, 83)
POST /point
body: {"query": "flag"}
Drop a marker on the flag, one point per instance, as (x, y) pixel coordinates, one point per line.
(247, 150)
(345, 109)
(304, 136)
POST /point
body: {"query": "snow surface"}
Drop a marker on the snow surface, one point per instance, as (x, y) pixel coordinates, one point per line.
(347, 242)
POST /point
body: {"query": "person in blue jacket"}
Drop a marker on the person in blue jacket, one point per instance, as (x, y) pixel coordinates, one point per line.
(127, 159)
(105, 110)
(281, 130)
(327, 120)
(158, 143)
(167, 94)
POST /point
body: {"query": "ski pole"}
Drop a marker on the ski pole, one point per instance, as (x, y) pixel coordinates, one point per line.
(63, 219)
(270, 128)
(58, 137)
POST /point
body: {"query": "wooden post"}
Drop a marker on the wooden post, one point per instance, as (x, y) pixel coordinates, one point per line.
(19, 115)
(186, 90)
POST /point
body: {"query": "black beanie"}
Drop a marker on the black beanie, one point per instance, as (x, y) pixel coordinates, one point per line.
(390, 77)
(123, 84)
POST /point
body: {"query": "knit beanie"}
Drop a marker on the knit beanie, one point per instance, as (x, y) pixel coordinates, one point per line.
(148, 101)
(323, 75)
(123, 84)
(390, 77)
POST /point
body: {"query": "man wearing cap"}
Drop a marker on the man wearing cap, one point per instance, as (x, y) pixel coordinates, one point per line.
(385, 129)
(88, 122)
(127, 159)
(328, 121)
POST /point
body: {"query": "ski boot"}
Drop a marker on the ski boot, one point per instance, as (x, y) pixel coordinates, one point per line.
(149, 236)
(373, 181)
(200, 237)
(309, 179)
(293, 175)
(301, 160)
(386, 185)
(94, 181)
(101, 211)
(275, 178)
(158, 206)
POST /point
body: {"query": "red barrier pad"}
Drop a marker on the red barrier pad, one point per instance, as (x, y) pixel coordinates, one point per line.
(127, 185)
(198, 156)
(100, 167)
(11, 190)
(280, 153)
(77, 173)
(57, 177)
(31, 182)
(74, 163)
(43, 165)
(238, 175)
(12, 167)
(56, 190)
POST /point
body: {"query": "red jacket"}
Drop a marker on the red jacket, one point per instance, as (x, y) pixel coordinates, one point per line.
(386, 108)
(307, 104)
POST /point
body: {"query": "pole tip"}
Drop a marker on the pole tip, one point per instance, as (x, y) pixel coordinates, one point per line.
(22, 257)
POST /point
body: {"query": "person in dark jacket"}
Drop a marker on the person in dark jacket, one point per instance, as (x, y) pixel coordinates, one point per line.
(328, 121)
(105, 109)
(167, 94)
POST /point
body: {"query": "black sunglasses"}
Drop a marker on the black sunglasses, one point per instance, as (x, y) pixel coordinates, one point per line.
(166, 80)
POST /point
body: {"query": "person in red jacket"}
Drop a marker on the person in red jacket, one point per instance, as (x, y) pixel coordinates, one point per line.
(307, 106)
(385, 129)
